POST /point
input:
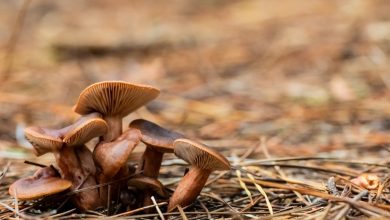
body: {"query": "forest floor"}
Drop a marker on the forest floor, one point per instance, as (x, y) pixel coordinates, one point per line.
(295, 94)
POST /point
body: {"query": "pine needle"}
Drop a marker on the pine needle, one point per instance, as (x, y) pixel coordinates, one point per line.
(271, 212)
(243, 185)
(157, 208)
(182, 213)
(136, 210)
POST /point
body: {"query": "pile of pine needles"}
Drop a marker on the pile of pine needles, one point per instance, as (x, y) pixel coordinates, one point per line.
(316, 187)
(296, 97)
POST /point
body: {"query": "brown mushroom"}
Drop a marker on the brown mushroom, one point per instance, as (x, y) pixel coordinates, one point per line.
(114, 100)
(112, 158)
(113, 155)
(141, 182)
(203, 161)
(43, 140)
(46, 140)
(91, 125)
(73, 158)
(43, 183)
(77, 165)
(146, 187)
(158, 141)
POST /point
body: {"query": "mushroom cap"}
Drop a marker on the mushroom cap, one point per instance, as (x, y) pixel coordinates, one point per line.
(85, 129)
(114, 98)
(147, 183)
(199, 155)
(43, 183)
(153, 135)
(43, 140)
(111, 156)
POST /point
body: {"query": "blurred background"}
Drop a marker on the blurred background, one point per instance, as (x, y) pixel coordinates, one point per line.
(308, 77)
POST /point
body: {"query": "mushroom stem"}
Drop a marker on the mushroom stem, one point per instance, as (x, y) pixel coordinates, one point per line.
(111, 157)
(75, 166)
(189, 187)
(115, 188)
(151, 162)
(114, 128)
(150, 165)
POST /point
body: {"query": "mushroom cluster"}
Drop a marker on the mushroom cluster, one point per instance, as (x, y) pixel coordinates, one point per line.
(103, 176)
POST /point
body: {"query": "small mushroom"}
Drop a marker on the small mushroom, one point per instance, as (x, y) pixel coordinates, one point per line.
(63, 142)
(146, 183)
(91, 125)
(43, 183)
(203, 161)
(77, 165)
(112, 158)
(367, 181)
(113, 155)
(45, 140)
(114, 100)
(158, 141)
(146, 187)
(73, 158)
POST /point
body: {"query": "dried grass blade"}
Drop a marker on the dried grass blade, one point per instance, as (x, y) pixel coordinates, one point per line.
(277, 168)
(157, 208)
(5, 170)
(381, 209)
(62, 213)
(325, 213)
(205, 209)
(14, 211)
(182, 213)
(136, 210)
(243, 185)
(271, 212)
(345, 210)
